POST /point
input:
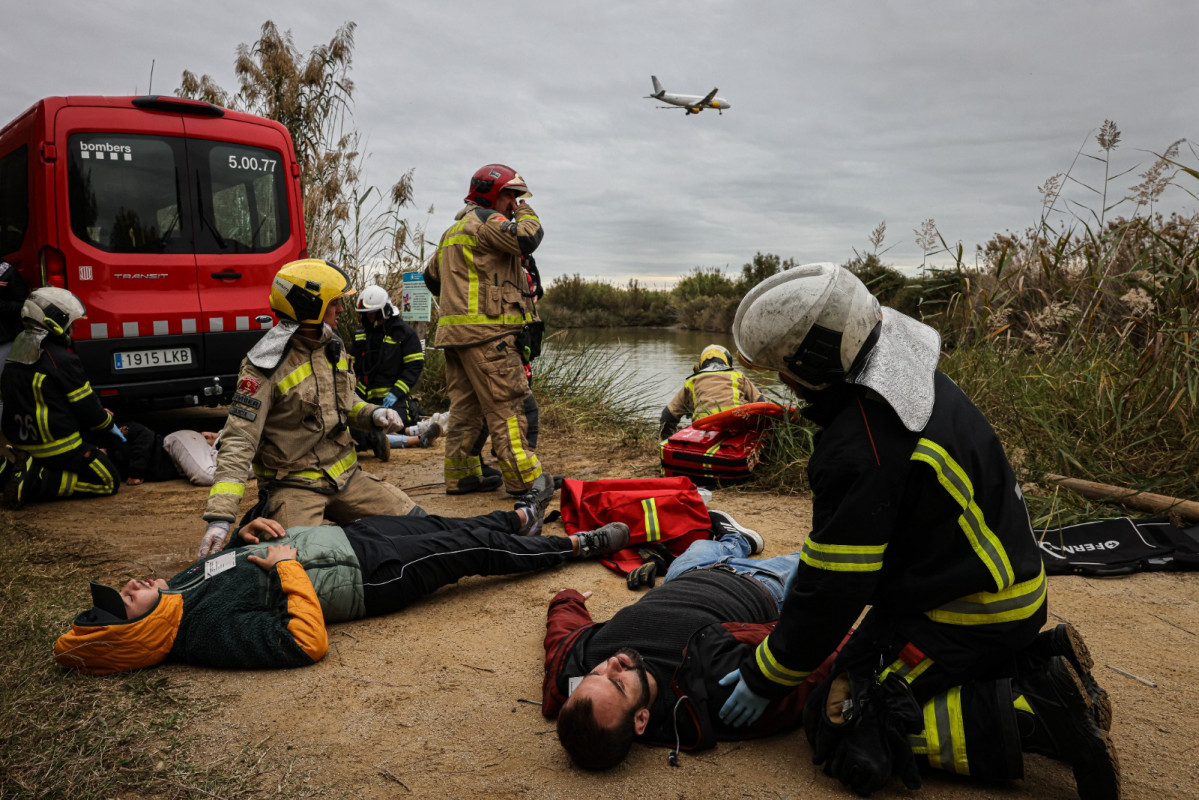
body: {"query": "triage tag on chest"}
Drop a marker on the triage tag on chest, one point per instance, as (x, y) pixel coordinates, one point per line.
(217, 565)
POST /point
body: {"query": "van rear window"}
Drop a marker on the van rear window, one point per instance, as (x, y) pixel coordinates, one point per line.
(126, 192)
(245, 210)
(14, 198)
(162, 194)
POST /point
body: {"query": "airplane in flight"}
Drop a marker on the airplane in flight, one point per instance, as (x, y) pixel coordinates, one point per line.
(693, 103)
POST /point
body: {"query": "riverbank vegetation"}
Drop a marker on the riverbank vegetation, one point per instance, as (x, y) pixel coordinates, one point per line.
(1076, 336)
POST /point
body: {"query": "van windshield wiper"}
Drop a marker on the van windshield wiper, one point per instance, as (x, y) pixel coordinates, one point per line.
(220, 240)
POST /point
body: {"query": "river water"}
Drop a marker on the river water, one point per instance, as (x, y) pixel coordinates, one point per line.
(655, 361)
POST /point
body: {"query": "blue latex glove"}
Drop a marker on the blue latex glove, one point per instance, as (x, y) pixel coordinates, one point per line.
(743, 706)
(390, 400)
(115, 431)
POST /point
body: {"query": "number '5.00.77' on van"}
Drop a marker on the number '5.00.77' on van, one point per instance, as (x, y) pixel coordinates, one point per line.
(168, 218)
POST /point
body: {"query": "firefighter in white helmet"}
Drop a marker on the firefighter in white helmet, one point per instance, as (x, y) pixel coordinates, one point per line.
(715, 386)
(918, 517)
(290, 417)
(52, 418)
(486, 304)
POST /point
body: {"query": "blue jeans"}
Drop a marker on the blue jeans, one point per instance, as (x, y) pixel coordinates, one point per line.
(732, 550)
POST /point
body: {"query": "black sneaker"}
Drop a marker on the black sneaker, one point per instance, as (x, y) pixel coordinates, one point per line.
(534, 500)
(1062, 726)
(473, 483)
(724, 524)
(1065, 640)
(603, 541)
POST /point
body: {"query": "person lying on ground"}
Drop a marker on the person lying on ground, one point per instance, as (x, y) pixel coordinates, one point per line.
(148, 456)
(222, 611)
(652, 672)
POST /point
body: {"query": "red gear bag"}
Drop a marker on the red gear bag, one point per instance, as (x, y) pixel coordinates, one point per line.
(657, 510)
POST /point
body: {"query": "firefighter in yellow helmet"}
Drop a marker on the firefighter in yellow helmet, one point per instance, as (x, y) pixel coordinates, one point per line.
(714, 386)
(486, 303)
(290, 417)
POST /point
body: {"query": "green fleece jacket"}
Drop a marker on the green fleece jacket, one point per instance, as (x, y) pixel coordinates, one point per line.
(237, 615)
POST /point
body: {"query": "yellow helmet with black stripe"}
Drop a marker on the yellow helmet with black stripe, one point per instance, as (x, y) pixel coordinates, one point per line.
(714, 353)
(303, 290)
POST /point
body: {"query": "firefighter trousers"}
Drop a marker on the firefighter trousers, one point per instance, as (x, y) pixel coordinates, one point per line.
(487, 382)
(364, 495)
(85, 470)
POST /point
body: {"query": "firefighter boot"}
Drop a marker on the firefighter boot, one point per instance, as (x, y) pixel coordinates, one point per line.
(1054, 717)
(1065, 640)
(24, 484)
(489, 481)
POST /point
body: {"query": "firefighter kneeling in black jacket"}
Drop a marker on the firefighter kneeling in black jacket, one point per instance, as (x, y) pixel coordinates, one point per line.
(918, 516)
(52, 418)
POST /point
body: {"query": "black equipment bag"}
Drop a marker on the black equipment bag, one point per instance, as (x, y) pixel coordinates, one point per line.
(1119, 547)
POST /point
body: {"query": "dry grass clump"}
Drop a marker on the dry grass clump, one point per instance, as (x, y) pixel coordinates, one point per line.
(68, 735)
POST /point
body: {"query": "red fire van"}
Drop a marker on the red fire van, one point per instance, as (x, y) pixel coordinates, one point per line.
(168, 218)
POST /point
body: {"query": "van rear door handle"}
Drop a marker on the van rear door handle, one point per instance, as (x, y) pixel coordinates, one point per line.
(226, 275)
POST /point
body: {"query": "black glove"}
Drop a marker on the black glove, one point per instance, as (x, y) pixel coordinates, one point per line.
(652, 566)
(858, 729)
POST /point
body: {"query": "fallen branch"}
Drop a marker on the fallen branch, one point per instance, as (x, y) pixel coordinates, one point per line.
(1129, 498)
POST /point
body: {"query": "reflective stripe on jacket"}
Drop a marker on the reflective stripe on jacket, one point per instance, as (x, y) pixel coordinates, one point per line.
(930, 523)
(285, 425)
(483, 288)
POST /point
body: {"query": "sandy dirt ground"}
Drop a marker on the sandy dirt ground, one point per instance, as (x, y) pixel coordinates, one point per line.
(428, 702)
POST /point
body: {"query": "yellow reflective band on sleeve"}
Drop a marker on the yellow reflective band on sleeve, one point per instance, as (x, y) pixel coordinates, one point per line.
(356, 409)
(408, 359)
(403, 387)
(944, 740)
(360, 336)
(388, 340)
(1017, 602)
(80, 393)
(294, 379)
(982, 539)
(55, 447)
(842, 557)
(653, 528)
(378, 393)
(360, 387)
(904, 670)
(773, 670)
(227, 487)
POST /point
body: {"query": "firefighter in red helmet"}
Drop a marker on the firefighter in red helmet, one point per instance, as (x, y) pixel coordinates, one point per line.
(485, 305)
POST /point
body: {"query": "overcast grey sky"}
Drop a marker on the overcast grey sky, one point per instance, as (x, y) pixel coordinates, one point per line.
(843, 115)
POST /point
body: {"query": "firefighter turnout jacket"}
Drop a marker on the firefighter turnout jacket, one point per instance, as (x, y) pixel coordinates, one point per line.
(290, 424)
(706, 393)
(388, 358)
(49, 405)
(478, 276)
(929, 528)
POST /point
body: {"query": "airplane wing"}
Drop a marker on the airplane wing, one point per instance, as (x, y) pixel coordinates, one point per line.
(708, 98)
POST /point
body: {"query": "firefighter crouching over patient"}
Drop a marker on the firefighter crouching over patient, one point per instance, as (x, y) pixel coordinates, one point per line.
(290, 417)
(918, 516)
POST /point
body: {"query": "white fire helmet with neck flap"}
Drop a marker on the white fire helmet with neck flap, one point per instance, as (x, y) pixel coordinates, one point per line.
(819, 324)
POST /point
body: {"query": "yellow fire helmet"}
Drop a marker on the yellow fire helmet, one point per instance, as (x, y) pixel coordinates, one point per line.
(714, 352)
(303, 290)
